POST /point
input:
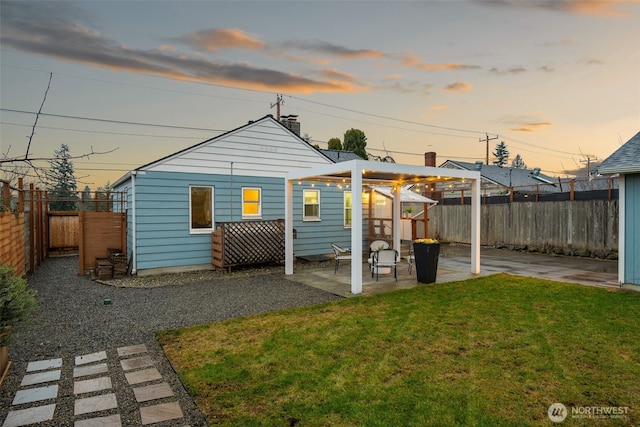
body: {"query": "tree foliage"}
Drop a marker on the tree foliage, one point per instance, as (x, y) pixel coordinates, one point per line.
(501, 154)
(62, 181)
(356, 141)
(518, 163)
(334, 144)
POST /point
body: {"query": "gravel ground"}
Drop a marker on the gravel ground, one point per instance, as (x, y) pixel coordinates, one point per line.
(73, 320)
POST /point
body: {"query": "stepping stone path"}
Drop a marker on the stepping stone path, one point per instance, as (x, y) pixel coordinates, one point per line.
(93, 390)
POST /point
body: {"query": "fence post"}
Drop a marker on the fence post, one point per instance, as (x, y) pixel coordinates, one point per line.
(510, 194)
(32, 230)
(20, 206)
(572, 185)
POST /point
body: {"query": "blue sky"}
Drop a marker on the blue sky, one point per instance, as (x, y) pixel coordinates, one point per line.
(557, 81)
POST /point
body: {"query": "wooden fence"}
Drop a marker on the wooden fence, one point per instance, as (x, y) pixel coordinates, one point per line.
(570, 227)
(99, 232)
(247, 243)
(28, 230)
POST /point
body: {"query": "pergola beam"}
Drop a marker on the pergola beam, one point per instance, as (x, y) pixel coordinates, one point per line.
(360, 172)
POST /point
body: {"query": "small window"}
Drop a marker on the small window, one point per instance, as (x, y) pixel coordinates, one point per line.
(200, 209)
(347, 209)
(311, 210)
(251, 202)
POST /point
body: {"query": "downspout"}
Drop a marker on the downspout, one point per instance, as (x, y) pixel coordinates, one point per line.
(133, 223)
(231, 191)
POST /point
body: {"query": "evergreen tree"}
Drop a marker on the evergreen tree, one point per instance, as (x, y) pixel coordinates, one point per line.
(356, 141)
(501, 154)
(86, 198)
(62, 181)
(518, 163)
(334, 144)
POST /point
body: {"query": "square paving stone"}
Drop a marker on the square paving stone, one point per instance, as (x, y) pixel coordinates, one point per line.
(24, 417)
(95, 404)
(159, 413)
(143, 376)
(136, 363)
(83, 371)
(110, 421)
(35, 394)
(87, 386)
(42, 365)
(40, 377)
(132, 349)
(152, 392)
(91, 358)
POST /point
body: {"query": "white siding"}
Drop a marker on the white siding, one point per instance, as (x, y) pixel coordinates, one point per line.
(264, 148)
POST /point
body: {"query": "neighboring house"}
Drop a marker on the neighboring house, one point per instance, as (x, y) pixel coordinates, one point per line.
(625, 161)
(498, 180)
(174, 202)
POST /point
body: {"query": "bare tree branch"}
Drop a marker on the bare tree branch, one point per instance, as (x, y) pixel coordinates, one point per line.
(33, 129)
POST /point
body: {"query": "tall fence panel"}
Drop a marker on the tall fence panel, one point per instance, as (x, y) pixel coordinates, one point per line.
(12, 249)
(99, 232)
(64, 231)
(573, 226)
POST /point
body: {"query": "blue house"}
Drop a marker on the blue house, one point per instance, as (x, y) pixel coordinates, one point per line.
(174, 202)
(625, 161)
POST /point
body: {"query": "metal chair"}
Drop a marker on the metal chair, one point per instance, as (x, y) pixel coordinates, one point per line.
(375, 246)
(340, 253)
(385, 258)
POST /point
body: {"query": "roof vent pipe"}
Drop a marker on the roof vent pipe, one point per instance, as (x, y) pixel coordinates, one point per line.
(478, 165)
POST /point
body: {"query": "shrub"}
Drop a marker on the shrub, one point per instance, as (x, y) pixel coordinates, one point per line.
(17, 302)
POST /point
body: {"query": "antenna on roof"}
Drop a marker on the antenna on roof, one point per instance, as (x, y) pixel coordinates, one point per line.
(279, 101)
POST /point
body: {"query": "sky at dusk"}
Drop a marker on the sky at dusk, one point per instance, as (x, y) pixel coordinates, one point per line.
(557, 80)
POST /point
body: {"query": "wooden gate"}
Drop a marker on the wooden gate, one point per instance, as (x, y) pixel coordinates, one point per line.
(64, 233)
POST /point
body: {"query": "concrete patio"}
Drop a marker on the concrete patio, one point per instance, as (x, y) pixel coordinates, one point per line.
(453, 265)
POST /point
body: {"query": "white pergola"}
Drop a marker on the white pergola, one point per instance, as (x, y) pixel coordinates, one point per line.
(362, 172)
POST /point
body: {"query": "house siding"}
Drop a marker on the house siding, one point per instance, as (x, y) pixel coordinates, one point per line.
(632, 231)
(162, 209)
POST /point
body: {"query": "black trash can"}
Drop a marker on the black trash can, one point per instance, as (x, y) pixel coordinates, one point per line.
(426, 259)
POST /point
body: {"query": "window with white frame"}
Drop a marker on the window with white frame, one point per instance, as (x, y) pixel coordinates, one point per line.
(311, 208)
(251, 202)
(200, 209)
(348, 209)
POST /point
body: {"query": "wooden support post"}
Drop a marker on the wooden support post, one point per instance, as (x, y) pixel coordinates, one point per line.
(572, 185)
(40, 243)
(81, 245)
(20, 195)
(32, 229)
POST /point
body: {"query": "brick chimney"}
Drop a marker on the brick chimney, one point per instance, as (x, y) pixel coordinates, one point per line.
(430, 158)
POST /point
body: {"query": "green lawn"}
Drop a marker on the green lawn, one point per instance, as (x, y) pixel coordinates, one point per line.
(496, 350)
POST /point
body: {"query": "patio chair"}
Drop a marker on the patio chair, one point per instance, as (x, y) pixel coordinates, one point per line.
(411, 259)
(375, 246)
(384, 258)
(340, 253)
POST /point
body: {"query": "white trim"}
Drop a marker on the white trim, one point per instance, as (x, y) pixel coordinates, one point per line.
(252, 216)
(134, 240)
(202, 230)
(344, 208)
(304, 204)
(622, 217)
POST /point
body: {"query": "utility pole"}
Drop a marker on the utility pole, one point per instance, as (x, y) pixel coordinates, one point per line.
(487, 139)
(279, 101)
(588, 162)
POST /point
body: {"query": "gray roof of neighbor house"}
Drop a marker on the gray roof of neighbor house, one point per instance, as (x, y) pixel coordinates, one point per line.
(340, 156)
(504, 176)
(625, 159)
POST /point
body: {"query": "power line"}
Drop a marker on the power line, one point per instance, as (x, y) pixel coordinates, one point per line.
(113, 121)
(101, 132)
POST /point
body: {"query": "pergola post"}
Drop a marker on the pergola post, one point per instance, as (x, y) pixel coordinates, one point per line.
(475, 226)
(397, 214)
(356, 229)
(288, 227)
